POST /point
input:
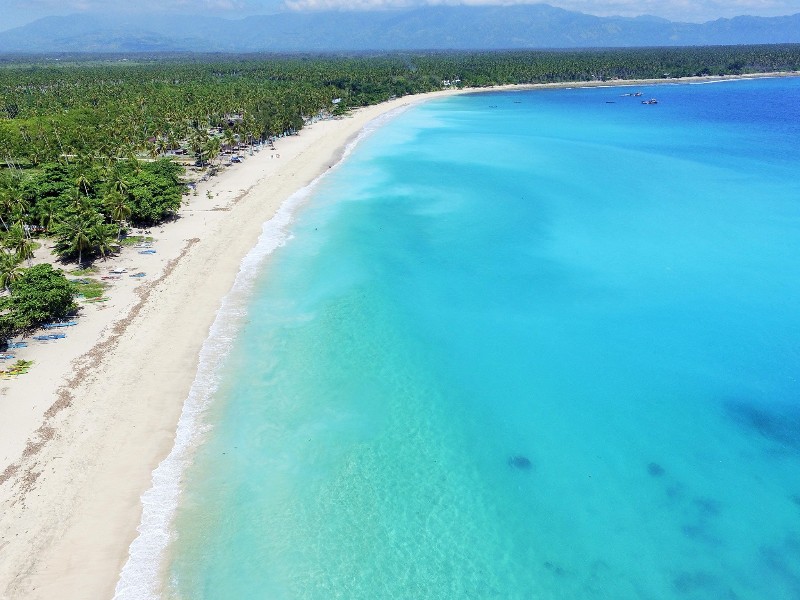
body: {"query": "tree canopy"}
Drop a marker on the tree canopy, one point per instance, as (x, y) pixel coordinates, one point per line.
(39, 295)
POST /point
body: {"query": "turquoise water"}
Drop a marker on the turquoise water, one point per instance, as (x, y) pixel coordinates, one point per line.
(521, 345)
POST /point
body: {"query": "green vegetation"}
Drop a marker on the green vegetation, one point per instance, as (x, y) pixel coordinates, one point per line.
(112, 110)
(89, 288)
(132, 240)
(40, 294)
(89, 148)
(18, 368)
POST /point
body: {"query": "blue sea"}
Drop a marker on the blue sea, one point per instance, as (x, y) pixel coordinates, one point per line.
(518, 345)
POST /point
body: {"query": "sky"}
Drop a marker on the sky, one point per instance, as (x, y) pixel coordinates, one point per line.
(14, 13)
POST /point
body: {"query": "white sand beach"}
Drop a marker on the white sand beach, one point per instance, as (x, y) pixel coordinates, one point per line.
(81, 433)
(83, 430)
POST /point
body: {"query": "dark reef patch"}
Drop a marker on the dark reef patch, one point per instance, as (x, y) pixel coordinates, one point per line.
(708, 507)
(777, 424)
(699, 584)
(691, 582)
(783, 560)
(655, 470)
(553, 568)
(518, 461)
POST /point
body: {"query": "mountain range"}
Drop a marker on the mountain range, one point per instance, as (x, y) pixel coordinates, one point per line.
(421, 28)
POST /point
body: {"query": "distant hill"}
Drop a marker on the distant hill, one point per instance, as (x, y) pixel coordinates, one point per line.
(423, 28)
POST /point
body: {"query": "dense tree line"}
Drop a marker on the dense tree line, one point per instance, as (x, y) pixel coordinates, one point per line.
(118, 108)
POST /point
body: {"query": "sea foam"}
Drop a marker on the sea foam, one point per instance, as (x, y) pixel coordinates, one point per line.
(140, 578)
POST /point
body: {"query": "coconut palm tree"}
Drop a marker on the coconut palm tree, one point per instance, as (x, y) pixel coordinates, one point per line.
(197, 144)
(117, 206)
(101, 236)
(75, 233)
(212, 148)
(19, 242)
(47, 210)
(229, 137)
(9, 269)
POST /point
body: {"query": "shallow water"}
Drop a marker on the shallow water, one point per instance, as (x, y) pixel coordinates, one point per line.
(521, 345)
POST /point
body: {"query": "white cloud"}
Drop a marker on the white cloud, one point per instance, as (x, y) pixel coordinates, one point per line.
(138, 6)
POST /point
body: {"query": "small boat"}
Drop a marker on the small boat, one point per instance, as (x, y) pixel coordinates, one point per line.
(651, 101)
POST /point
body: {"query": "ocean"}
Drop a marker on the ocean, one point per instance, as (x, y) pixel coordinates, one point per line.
(532, 344)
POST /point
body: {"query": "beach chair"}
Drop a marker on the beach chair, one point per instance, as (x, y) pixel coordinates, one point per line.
(59, 325)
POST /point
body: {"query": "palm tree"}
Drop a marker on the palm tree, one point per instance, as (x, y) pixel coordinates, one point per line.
(197, 144)
(78, 203)
(9, 270)
(82, 180)
(229, 137)
(117, 181)
(17, 241)
(8, 203)
(100, 236)
(47, 209)
(118, 208)
(75, 233)
(211, 148)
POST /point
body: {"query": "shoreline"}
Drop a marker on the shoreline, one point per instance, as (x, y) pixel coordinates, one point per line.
(94, 417)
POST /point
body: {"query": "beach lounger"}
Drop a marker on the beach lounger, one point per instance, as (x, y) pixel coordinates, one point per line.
(18, 344)
(118, 271)
(57, 325)
(147, 251)
(6, 356)
(138, 275)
